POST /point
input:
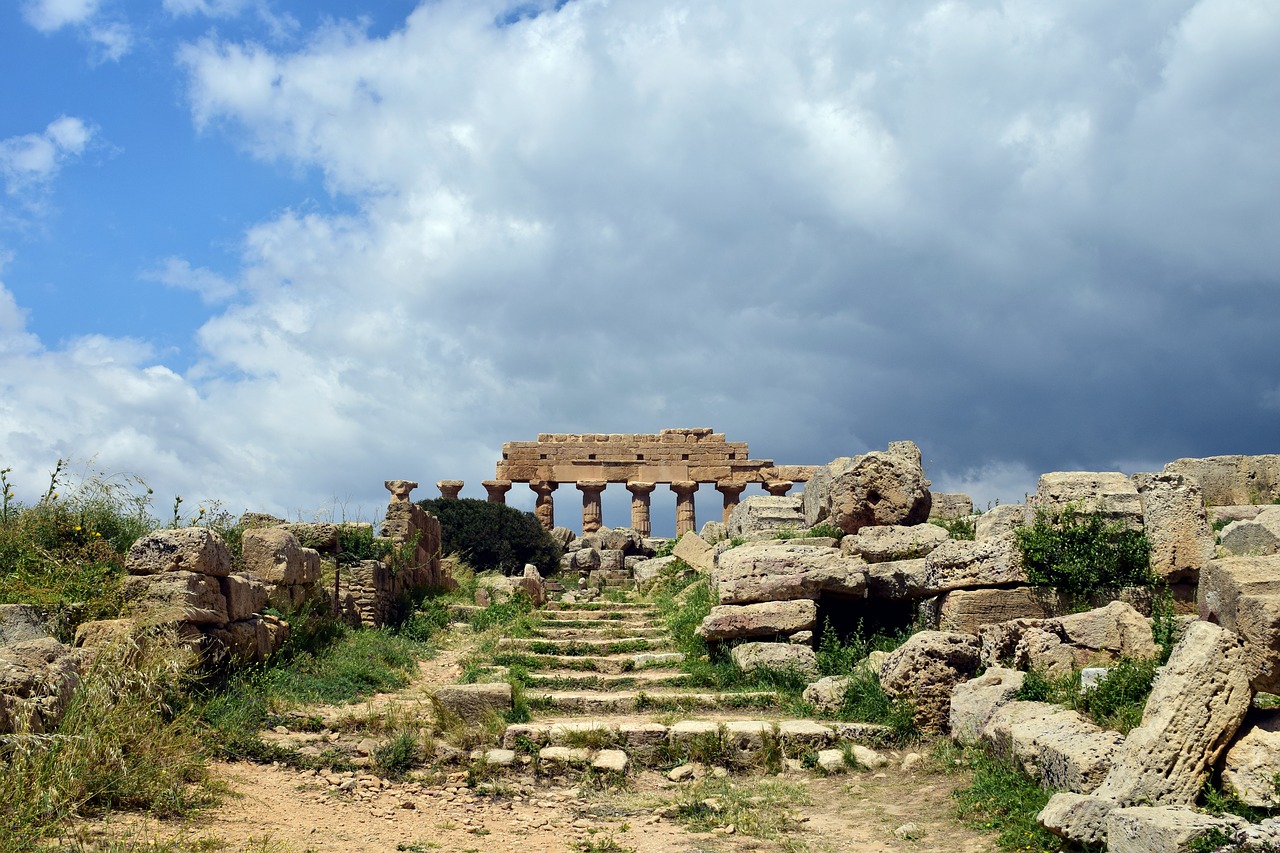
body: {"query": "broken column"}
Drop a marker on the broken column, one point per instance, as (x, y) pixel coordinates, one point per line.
(592, 516)
(640, 507)
(731, 491)
(778, 488)
(544, 506)
(685, 518)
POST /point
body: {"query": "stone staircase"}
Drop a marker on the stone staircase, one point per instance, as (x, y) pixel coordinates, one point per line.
(604, 683)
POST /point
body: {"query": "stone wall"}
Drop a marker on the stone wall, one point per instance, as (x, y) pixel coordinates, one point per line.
(1233, 480)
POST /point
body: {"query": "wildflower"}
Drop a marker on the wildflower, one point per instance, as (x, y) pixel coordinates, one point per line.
(77, 528)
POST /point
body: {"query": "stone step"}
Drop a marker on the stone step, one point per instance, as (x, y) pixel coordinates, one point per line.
(583, 646)
(602, 663)
(601, 633)
(621, 624)
(600, 610)
(725, 742)
(632, 701)
(641, 679)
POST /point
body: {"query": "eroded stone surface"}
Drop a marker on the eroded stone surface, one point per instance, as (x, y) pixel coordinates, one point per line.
(188, 549)
(926, 668)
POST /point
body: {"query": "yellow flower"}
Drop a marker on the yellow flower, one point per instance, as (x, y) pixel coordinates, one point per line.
(77, 528)
(96, 533)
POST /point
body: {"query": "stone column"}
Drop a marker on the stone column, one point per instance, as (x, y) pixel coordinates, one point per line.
(731, 492)
(544, 507)
(497, 490)
(778, 488)
(591, 513)
(685, 520)
(450, 488)
(400, 489)
(640, 507)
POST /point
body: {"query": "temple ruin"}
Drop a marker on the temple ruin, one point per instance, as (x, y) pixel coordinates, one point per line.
(683, 459)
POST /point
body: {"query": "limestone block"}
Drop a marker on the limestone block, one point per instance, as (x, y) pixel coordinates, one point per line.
(610, 761)
(778, 571)
(947, 507)
(1108, 492)
(897, 580)
(189, 549)
(1196, 705)
(1117, 628)
(693, 550)
(969, 610)
(565, 755)
(37, 679)
(274, 554)
(799, 733)
(1258, 537)
(585, 559)
(997, 731)
(926, 668)
(1079, 817)
(246, 594)
(612, 560)
(750, 657)
(322, 536)
(1176, 526)
(1242, 594)
(103, 633)
(647, 572)
(254, 639)
(1162, 829)
(1000, 520)
(974, 701)
(620, 539)
(175, 596)
(1233, 480)
(766, 514)
(958, 564)
(713, 532)
(827, 694)
(1252, 764)
(19, 622)
(1064, 750)
(894, 542)
(875, 488)
(831, 760)
(473, 701)
(770, 618)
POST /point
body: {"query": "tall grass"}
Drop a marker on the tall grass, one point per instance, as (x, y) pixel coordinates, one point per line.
(125, 742)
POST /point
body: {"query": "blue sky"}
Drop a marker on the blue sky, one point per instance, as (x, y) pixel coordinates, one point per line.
(275, 252)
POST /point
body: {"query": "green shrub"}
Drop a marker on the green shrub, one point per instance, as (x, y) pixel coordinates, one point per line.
(356, 543)
(1117, 701)
(494, 536)
(1080, 553)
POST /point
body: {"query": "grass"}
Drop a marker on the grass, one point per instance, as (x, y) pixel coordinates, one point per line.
(1002, 799)
(1116, 702)
(760, 809)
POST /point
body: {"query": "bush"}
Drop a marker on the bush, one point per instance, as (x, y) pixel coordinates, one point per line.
(494, 536)
(1080, 553)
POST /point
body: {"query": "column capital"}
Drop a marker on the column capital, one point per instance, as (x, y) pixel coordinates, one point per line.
(640, 488)
(497, 490)
(587, 486)
(730, 487)
(544, 487)
(449, 488)
(778, 488)
(684, 487)
(400, 489)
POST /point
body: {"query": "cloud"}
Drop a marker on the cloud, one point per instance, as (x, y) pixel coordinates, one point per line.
(176, 272)
(1017, 234)
(111, 39)
(30, 163)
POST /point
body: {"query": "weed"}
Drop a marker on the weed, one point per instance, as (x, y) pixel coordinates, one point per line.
(397, 756)
(596, 842)
(827, 530)
(958, 528)
(1116, 702)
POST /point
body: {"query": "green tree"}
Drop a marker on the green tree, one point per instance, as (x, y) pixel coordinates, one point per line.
(493, 536)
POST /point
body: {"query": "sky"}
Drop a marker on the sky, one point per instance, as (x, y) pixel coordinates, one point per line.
(272, 252)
